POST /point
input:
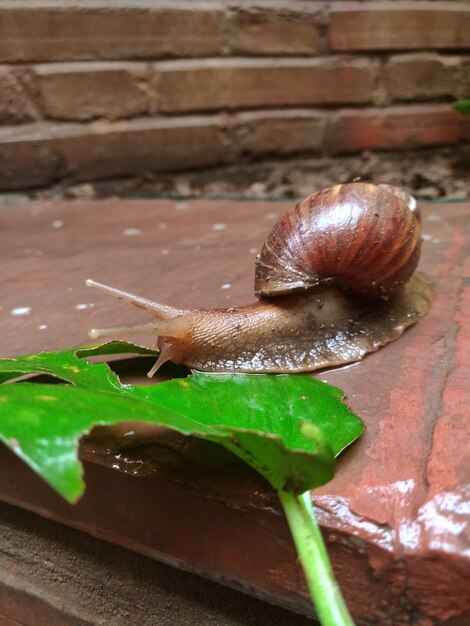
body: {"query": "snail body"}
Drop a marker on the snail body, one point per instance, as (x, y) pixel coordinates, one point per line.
(335, 279)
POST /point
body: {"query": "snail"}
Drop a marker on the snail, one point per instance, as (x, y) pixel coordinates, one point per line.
(335, 280)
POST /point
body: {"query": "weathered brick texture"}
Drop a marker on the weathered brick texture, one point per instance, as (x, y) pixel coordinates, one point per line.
(422, 76)
(96, 89)
(99, 29)
(41, 154)
(465, 128)
(392, 128)
(399, 25)
(287, 28)
(249, 83)
(81, 91)
(16, 106)
(280, 133)
(463, 82)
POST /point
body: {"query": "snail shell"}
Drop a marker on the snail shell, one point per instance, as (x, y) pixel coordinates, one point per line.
(335, 279)
(363, 236)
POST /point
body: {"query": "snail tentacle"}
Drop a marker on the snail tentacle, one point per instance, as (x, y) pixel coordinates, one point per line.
(160, 311)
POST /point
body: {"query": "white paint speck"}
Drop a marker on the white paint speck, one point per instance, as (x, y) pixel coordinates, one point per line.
(57, 223)
(182, 206)
(219, 226)
(42, 327)
(165, 251)
(225, 286)
(33, 252)
(131, 232)
(427, 237)
(82, 306)
(130, 433)
(21, 310)
(270, 216)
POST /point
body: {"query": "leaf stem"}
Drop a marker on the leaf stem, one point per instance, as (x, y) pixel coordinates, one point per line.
(326, 595)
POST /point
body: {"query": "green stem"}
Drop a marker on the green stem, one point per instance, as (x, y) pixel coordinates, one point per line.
(324, 590)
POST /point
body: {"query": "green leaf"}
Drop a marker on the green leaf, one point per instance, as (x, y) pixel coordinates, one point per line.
(462, 106)
(267, 416)
(112, 347)
(43, 424)
(63, 365)
(288, 427)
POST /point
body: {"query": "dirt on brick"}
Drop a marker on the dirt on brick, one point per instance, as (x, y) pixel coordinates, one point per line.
(428, 174)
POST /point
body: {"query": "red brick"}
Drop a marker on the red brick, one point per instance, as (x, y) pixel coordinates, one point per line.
(130, 29)
(15, 104)
(392, 128)
(422, 76)
(465, 127)
(280, 133)
(286, 28)
(463, 79)
(251, 83)
(40, 154)
(81, 91)
(399, 25)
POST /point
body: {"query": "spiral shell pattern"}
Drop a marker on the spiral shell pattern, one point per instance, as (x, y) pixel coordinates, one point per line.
(365, 237)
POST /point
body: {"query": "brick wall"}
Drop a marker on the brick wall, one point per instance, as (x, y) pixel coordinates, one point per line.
(94, 89)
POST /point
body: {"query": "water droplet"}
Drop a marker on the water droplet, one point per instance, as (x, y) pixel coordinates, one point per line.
(225, 286)
(253, 250)
(57, 223)
(42, 327)
(21, 310)
(219, 226)
(131, 232)
(82, 306)
(162, 225)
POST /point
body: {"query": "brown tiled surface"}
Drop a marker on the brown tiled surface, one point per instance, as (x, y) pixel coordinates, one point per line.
(394, 516)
